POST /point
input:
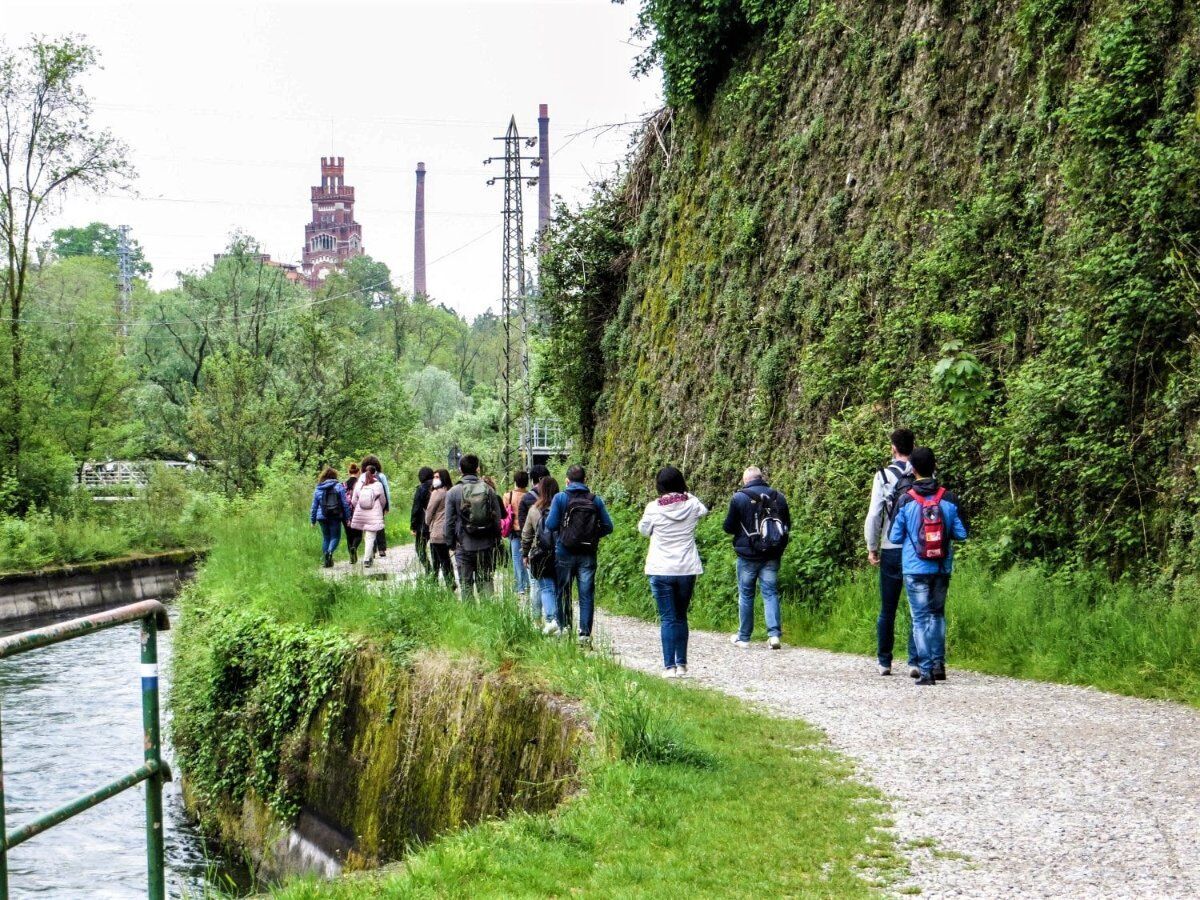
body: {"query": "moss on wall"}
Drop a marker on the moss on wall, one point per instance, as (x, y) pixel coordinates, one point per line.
(974, 218)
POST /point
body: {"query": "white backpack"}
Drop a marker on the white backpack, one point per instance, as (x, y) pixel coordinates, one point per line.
(366, 497)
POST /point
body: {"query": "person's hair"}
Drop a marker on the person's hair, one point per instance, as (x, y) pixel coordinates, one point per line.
(670, 481)
(369, 473)
(469, 464)
(904, 441)
(445, 476)
(425, 474)
(751, 473)
(922, 461)
(547, 488)
(576, 474)
(537, 473)
(330, 474)
(521, 479)
(489, 481)
(372, 460)
(353, 470)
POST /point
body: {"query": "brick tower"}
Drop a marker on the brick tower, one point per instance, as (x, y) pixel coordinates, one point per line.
(332, 237)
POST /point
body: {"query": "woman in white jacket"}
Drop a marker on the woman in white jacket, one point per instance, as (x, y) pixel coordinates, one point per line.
(673, 562)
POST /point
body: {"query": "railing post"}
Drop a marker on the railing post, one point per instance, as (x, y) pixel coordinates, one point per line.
(3, 833)
(154, 816)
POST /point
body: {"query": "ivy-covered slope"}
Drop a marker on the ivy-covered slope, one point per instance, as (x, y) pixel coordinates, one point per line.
(977, 219)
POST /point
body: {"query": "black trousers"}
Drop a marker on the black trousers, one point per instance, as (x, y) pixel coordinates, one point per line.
(422, 542)
(475, 570)
(442, 563)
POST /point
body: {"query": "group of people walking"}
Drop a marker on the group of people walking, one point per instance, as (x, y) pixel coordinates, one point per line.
(357, 505)
(554, 534)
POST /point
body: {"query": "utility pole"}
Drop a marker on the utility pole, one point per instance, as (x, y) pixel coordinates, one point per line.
(124, 279)
(513, 296)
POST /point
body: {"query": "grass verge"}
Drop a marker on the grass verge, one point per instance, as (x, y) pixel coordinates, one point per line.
(684, 792)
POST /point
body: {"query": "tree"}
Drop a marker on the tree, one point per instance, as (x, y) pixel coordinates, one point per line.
(96, 239)
(436, 396)
(48, 147)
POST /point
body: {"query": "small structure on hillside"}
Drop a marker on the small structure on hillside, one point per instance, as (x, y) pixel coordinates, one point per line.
(544, 441)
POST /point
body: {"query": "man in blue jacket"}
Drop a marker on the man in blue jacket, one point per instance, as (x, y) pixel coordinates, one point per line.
(927, 523)
(759, 549)
(580, 520)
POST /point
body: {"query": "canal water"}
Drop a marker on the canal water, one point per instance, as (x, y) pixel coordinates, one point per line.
(72, 722)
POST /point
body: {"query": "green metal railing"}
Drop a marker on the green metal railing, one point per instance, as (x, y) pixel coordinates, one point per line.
(153, 616)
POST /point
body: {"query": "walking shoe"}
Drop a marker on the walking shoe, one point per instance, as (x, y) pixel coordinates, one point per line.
(382, 554)
(939, 673)
(367, 563)
(739, 643)
(885, 670)
(914, 672)
(585, 641)
(670, 673)
(774, 643)
(925, 681)
(681, 669)
(353, 557)
(328, 560)
(551, 627)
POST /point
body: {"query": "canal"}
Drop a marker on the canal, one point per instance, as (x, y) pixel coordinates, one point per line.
(71, 718)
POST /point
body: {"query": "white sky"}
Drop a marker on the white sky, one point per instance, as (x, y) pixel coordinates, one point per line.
(227, 109)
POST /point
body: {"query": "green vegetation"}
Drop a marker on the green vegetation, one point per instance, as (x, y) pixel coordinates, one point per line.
(169, 514)
(977, 222)
(674, 772)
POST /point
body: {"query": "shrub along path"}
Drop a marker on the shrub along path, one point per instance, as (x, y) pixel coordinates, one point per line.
(1001, 787)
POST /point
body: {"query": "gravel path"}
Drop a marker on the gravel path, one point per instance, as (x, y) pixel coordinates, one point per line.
(1028, 789)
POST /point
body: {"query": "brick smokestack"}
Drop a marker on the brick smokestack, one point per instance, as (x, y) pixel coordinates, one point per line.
(419, 287)
(543, 169)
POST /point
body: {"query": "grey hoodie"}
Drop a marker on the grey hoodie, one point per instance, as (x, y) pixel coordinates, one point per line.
(670, 523)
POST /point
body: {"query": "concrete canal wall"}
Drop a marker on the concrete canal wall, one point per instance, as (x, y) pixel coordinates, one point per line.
(88, 587)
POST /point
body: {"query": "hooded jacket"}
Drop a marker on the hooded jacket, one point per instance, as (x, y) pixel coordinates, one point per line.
(558, 512)
(739, 521)
(317, 514)
(670, 523)
(906, 529)
(368, 519)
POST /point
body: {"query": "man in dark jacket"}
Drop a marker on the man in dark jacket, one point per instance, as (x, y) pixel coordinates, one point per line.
(755, 504)
(474, 545)
(580, 520)
(417, 518)
(536, 474)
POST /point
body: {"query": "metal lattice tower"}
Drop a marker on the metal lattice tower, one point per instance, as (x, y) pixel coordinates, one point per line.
(124, 278)
(513, 294)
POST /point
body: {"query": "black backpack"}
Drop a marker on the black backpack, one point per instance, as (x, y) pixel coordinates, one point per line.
(331, 503)
(541, 554)
(770, 534)
(893, 491)
(580, 531)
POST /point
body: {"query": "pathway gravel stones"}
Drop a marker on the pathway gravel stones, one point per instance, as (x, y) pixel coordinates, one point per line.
(1024, 789)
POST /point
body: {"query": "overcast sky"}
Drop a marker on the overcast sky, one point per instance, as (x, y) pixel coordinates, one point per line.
(227, 109)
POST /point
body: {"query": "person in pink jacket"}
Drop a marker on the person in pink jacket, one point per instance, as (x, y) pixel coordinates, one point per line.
(368, 503)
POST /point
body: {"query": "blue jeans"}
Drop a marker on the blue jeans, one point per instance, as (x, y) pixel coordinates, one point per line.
(673, 595)
(520, 573)
(927, 600)
(891, 582)
(331, 533)
(582, 569)
(765, 574)
(545, 599)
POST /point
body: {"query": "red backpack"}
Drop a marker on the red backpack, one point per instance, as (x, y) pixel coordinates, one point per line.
(931, 533)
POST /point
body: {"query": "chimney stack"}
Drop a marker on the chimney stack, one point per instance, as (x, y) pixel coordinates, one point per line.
(543, 169)
(419, 287)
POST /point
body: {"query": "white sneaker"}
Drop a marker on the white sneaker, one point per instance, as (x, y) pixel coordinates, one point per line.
(681, 671)
(739, 643)
(774, 643)
(670, 673)
(885, 670)
(914, 672)
(551, 627)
